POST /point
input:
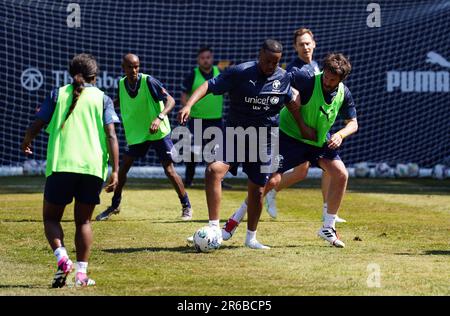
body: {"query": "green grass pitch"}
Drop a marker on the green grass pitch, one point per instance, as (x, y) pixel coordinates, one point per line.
(400, 227)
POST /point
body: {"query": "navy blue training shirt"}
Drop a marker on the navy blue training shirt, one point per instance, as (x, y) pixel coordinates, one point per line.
(300, 64)
(255, 99)
(303, 81)
(47, 108)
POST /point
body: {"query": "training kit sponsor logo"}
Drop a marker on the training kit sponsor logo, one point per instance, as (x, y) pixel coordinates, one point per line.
(274, 100)
(421, 81)
(32, 79)
(262, 103)
(276, 85)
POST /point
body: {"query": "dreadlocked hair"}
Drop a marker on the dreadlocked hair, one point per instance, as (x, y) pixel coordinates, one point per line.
(83, 68)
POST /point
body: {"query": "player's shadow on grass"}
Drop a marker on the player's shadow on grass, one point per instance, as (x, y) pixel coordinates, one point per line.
(426, 253)
(165, 221)
(437, 252)
(71, 220)
(182, 249)
(115, 220)
(31, 220)
(20, 286)
(158, 221)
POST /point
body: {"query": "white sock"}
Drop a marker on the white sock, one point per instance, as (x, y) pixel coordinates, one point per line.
(330, 220)
(325, 209)
(251, 235)
(214, 222)
(81, 267)
(60, 253)
(240, 213)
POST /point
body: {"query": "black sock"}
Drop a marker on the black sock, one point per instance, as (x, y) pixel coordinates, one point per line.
(190, 172)
(116, 200)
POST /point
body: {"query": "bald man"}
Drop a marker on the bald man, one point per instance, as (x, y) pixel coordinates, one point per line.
(144, 105)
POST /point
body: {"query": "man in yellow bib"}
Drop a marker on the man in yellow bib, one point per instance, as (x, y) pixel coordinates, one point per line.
(144, 105)
(205, 113)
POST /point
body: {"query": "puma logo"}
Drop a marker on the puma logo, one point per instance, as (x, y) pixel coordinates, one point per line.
(325, 113)
(253, 82)
(435, 58)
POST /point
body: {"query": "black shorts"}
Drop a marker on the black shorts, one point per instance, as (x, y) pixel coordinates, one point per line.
(62, 187)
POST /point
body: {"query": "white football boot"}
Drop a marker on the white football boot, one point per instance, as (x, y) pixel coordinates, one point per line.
(254, 244)
(330, 235)
(270, 203)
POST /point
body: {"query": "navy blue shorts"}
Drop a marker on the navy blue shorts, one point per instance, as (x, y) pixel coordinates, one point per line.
(252, 170)
(163, 148)
(62, 187)
(294, 152)
(326, 153)
(257, 170)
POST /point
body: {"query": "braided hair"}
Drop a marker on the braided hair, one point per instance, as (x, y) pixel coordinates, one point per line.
(83, 68)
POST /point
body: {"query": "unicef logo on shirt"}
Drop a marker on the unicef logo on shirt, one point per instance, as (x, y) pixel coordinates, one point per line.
(276, 84)
(274, 100)
(31, 79)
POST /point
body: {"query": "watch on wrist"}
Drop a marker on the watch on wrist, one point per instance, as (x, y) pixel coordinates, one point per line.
(161, 116)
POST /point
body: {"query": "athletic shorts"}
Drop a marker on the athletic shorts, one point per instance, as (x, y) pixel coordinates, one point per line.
(326, 153)
(163, 148)
(294, 152)
(62, 187)
(258, 170)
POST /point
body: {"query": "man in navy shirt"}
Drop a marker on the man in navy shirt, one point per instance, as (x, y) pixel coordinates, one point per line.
(334, 98)
(327, 91)
(302, 78)
(304, 45)
(257, 91)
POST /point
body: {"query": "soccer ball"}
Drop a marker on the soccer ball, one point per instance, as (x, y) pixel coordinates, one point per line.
(207, 239)
(382, 170)
(362, 170)
(439, 172)
(401, 170)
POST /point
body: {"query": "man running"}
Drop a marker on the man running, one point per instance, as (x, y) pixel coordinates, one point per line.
(144, 105)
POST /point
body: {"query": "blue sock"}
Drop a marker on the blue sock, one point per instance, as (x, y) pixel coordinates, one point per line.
(185, 201)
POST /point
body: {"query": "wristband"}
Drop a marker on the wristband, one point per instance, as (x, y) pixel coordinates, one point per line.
(161, 116)
(340, 134)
